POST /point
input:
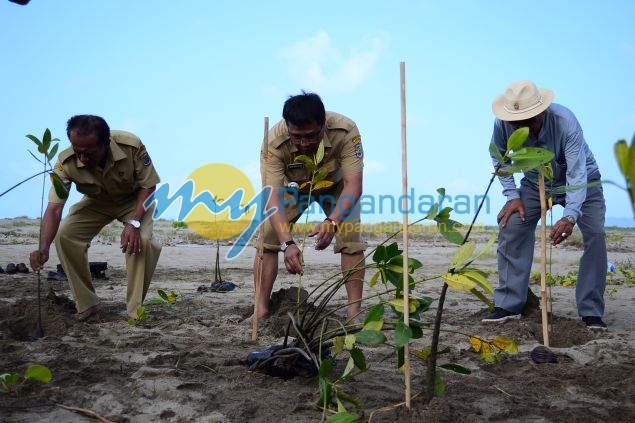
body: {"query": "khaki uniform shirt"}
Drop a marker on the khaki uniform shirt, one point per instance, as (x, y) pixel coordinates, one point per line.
(128, 168)
(343, 153)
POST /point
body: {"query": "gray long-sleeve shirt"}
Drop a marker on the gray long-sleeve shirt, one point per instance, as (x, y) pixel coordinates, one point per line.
(573, 165)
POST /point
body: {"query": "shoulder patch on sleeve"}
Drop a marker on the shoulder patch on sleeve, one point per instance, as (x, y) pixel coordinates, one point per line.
(357, 139)
(143, 155)
(359, 151)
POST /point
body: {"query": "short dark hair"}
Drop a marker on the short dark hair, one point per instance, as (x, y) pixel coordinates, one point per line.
(89, 124)
(303, 109)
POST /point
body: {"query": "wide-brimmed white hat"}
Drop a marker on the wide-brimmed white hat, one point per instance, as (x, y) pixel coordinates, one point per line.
(522, 100)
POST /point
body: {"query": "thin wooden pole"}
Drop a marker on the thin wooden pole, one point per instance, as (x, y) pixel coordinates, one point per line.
(543, 259)
(404, 202)
(261, 248)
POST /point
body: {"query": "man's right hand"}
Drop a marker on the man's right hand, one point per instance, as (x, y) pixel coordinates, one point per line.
(37, 259)
(293, 260)
(512, 206)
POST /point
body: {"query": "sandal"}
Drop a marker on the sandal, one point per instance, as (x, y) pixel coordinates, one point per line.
(88, 313)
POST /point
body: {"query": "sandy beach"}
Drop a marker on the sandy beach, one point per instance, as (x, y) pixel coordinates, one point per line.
(185, 363)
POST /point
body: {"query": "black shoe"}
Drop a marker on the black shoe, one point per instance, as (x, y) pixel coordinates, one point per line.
(594, 322)
(11, 269)
(1, 269)
(21, 268)
(56, 276)
(500, 315)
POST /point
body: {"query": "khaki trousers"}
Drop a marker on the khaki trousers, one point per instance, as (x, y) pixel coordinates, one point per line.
(84, 221)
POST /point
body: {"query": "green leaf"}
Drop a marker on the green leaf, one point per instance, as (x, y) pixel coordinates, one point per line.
(403, 334)
(343, 396)
(343, 417)
(350, 365)
(154, 301)
(35, 139)
(495, 153)
(10, 378)
(326, 368)
(370, 337)
(39, 373)
(456, 368)
(359, 359)
(458, 282)
(375, 314)
(52, 153)
(380, 254)
(349, 341)
(413, 264)
(320, 175)
(60, 189)
(162, 294)
(397, 304)
(630, 173)
(621, 155)
(485, 248)
(46, 138)
(374, 279)
(319, 154)
(325, 392)
(478, 294)
(517, 139)
(322, 185)
(480, 279)
(374, 325)
(439, 386)
(307, 162)
(462, 254)
(447, 228)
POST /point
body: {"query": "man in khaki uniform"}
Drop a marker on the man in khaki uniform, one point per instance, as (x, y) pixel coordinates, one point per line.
(305, 123)
(115, 173)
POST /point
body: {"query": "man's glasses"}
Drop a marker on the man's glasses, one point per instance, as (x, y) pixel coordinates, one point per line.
(310, 138)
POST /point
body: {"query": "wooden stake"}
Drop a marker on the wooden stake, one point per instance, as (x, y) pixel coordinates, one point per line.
(261, 248)
(543, 259)
(404, 202)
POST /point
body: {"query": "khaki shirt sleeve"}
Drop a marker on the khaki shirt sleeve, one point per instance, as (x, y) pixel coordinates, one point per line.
(352, 153)
(145, 173)
(273, 164)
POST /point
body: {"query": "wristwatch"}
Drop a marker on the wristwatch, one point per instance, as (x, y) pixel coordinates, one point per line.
(570, 219)
(134, 223)
(285, 245)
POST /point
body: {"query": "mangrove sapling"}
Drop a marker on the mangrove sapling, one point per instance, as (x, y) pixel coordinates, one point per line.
(141, 315)
(164, 298)
(625, 157)
(317, 181)
(11, 383)
(47, 147)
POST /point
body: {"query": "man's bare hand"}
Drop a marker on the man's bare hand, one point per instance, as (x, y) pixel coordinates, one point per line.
(37, 259)
(512, 206)
(323, 234)
(293, 260)
(130, 240)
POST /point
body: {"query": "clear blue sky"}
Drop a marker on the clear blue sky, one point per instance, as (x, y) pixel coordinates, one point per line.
(194, 80)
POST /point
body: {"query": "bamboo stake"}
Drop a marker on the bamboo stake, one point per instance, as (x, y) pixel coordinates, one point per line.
(543, 259)
(261, 248)
(404, 202)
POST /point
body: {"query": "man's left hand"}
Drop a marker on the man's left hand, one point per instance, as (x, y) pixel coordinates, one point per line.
(130, 240)
(561, 231)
